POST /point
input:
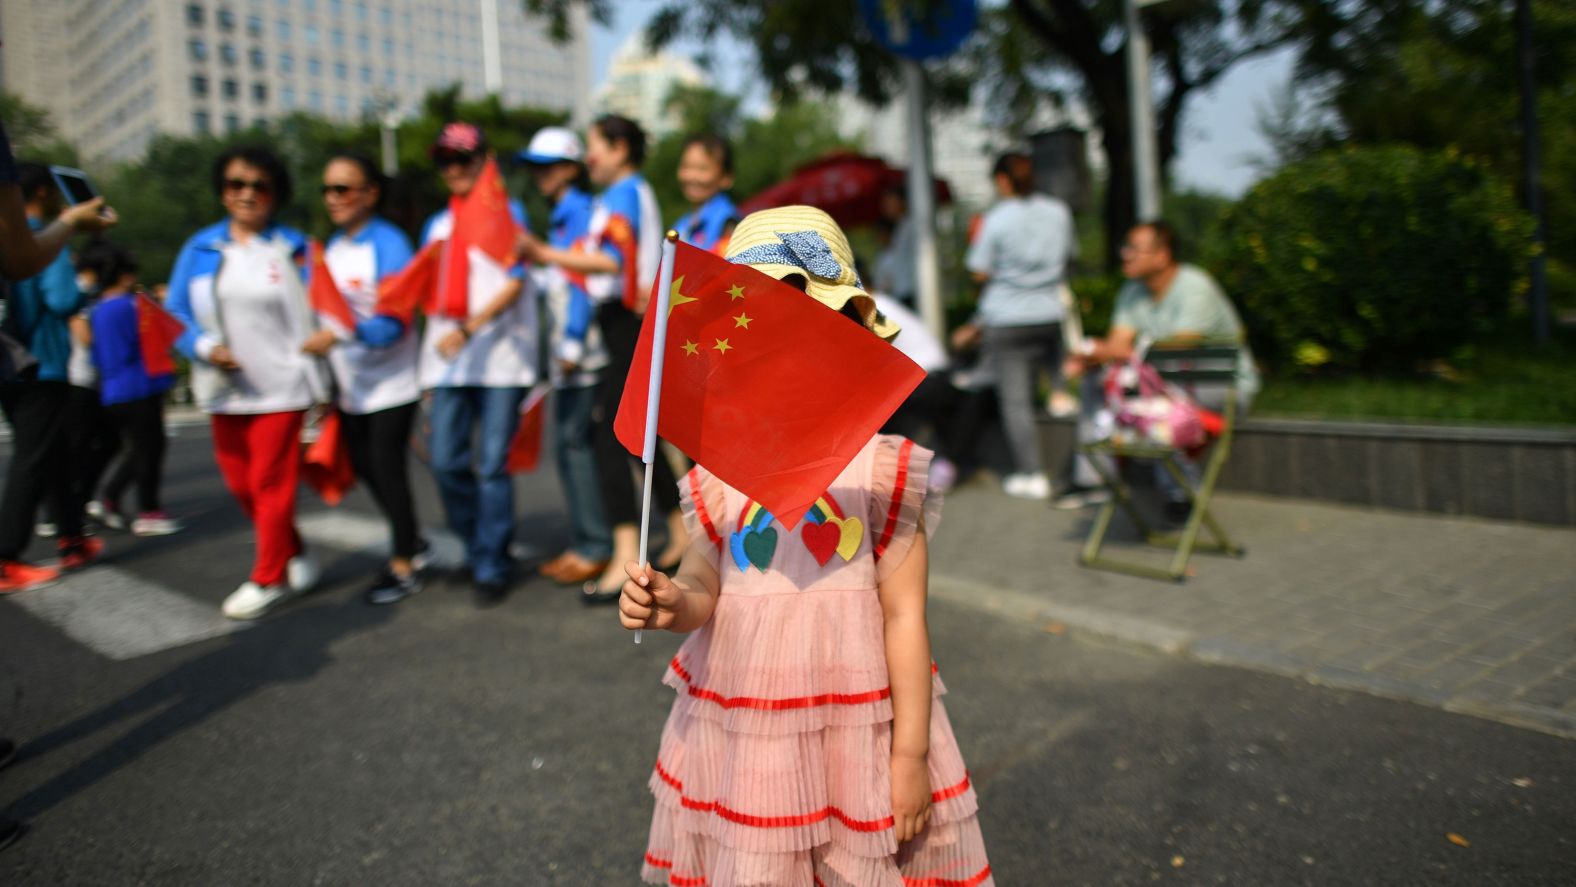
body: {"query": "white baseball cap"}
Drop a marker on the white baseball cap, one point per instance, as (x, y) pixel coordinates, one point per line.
(553, 144)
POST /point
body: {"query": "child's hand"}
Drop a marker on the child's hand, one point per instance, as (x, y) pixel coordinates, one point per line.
(650, 598)
(910, 795)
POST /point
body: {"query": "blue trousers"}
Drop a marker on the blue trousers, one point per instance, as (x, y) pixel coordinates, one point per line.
(591, 537)
(477, 491)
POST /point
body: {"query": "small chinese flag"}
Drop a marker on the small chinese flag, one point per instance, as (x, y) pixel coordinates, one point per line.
(400, 293)
(157, 331)
(772, 391)
(326, 464)
(525, 450)
(481, 219)
(324, 294)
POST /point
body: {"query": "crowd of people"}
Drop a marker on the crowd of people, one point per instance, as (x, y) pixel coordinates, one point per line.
(85, 401)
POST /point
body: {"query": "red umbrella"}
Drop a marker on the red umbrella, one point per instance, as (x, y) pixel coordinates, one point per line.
(845, 184)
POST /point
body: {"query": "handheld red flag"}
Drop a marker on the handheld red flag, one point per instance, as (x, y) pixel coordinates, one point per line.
(525, 450)
(400, 293)
(481, 219)
(325, 465)
(324, 295)
(772, 391)
(157, 331)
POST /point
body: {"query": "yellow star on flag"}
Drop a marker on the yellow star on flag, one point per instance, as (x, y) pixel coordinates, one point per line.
(676, 298)
(735, 292)
(742, 320)
(722, 346)
(692, 349)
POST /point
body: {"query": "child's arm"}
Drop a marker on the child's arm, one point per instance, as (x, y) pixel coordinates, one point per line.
(682, 603)
(902, 596)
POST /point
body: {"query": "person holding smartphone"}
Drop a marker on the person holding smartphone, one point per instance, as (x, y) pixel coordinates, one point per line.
(239, 287)
(39, 317)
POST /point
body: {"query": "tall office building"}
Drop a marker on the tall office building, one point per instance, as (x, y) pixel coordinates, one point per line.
(639, 83)
(114, 73)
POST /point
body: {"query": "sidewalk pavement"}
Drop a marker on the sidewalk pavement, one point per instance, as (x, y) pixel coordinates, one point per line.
(1463, 614)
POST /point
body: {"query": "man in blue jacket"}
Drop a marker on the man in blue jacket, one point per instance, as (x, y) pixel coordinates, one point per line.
(38, 315)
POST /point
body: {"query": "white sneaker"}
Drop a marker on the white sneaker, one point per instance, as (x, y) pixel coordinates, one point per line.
(252, 600)
(155, 523)
(302, 572)
(1027, 486)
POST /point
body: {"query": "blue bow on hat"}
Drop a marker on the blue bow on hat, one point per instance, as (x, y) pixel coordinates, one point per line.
(801, 249)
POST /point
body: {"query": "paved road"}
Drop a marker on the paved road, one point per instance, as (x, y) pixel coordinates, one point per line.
(431, 743)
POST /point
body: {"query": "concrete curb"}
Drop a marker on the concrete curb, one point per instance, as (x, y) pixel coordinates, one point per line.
(1223, 650)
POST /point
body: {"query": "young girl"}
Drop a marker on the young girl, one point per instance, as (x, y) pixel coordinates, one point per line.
(624, 245)
(808, 744)
(131, 394)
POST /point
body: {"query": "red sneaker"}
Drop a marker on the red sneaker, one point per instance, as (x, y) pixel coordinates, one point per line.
(16, 576)
(79, 551)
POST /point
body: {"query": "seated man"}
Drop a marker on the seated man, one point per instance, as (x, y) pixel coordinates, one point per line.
(1163, 300)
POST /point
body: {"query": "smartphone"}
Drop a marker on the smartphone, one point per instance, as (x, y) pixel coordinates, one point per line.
(74, 184)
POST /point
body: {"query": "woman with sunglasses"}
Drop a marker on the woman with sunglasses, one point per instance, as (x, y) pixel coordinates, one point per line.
(374, 364)
(238, 285)
(478, 356)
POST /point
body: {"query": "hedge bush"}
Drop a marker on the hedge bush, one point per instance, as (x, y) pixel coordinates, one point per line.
(1373, 257)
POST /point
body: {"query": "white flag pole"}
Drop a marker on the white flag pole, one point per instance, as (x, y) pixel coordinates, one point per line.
(659, 339)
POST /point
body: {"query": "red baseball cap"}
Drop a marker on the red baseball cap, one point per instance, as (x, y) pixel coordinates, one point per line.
(459, 137)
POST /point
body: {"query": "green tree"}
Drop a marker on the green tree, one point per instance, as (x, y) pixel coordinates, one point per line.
(33, 133)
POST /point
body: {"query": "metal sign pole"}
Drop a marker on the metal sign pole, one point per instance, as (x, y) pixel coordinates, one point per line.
(922, 201)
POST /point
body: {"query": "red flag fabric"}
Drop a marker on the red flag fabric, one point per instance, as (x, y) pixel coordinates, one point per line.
(525, 450)
(157, 331)
(324, 294)
(326, 464)
(481, 219)
(401, 293)
(772, 391)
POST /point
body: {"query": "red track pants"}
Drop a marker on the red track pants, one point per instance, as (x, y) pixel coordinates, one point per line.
(260, 458)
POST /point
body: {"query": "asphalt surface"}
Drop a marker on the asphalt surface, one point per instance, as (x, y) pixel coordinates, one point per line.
(433, 743)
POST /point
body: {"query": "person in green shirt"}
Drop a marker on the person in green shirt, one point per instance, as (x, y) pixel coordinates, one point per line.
(1163, 300)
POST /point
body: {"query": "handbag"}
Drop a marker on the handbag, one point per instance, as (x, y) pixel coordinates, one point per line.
(1147, 409)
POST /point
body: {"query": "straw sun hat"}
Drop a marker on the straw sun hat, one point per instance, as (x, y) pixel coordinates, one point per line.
(805, 241)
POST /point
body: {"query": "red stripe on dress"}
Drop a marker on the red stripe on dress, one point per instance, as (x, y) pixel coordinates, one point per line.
(898, 488)
(858, 825)
(783, 704)
(673, 879)
(700, 509)
(979, 878)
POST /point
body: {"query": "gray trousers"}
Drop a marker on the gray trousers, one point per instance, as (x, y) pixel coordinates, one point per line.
(1017, 355)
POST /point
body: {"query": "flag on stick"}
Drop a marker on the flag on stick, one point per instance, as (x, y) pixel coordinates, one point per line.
(326, 299)
(157, 330)
(326, 464)
(401, 293)
(772, 391)
(481, 219)
(525, 450)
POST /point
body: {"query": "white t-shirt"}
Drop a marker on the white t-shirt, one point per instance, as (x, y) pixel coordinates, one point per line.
(501, 355)
(370, 379)
(258, 303)
(915, 341)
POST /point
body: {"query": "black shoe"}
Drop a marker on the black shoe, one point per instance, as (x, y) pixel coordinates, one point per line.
(489, 593)
(1177, 512)
(10, 830)
(7, 751)
(390, 588)
(590, 595)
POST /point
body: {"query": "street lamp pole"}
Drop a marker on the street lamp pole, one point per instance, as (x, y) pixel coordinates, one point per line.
(1531, 154)
(922, 200)
(1141, 108)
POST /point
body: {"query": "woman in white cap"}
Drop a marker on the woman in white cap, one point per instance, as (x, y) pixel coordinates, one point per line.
(555, 160)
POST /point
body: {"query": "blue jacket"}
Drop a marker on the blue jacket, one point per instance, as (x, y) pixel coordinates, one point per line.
(39, 312)
(198, 264)
(117, 353)
(706, 226)
(570, 222)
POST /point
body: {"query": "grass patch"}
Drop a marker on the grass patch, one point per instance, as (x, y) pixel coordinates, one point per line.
(1503, 380)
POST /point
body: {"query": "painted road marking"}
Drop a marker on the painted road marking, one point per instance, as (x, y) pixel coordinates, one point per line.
(122, 616)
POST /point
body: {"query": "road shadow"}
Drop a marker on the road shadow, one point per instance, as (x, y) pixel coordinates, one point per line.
(290, 648)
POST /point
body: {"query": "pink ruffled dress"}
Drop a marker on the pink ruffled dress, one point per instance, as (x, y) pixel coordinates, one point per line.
(775, 763)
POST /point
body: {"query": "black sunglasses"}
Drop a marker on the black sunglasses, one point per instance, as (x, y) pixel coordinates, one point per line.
(260, 186)
(453, 158)
(341, 190)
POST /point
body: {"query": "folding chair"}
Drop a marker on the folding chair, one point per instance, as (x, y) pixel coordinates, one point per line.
(1183, 364)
